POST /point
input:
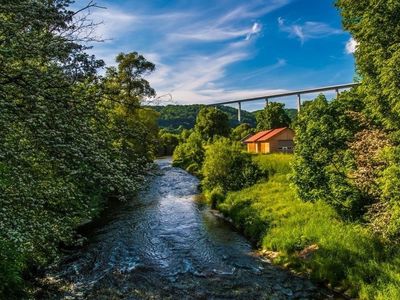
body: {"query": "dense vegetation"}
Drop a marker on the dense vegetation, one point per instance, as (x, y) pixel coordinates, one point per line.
(70, 139)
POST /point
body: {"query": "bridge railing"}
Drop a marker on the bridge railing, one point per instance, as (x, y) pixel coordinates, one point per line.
(298, 93)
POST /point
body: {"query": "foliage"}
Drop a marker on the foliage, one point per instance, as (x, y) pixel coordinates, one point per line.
(323, 164)
(167, 142)
(174, 116)
(241, 131)
(375, 26)
(70, 139)
(347, 255)
(189, 155)
(227, 167)
(272, 116)
(212, 122)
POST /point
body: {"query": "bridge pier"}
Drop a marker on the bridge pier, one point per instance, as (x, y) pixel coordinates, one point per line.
(298, 102)
(266, 101)
(337, 93)
(239, 111)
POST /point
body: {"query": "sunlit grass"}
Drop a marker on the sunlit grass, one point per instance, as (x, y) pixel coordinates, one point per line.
(348, 255)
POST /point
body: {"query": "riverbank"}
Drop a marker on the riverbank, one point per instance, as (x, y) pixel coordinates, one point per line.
(310, 238)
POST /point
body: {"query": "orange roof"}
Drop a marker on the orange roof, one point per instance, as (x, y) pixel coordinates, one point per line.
(256, 136)
(264, 136)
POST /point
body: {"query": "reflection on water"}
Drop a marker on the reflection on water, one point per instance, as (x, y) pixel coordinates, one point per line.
(167, 245)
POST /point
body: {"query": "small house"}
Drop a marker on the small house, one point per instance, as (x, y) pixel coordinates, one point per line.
(271, 141)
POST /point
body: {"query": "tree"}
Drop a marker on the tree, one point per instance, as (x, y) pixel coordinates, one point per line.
(167, 142)
(272, 116)
(241, 131)
(212, 122)
(189, 155)
(227, 168)
(125, 88)
(375, 27)
(323, 164)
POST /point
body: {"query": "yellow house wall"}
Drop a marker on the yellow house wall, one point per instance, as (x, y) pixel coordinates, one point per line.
(265, 147)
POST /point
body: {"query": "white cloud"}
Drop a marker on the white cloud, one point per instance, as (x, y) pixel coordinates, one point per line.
(214, 34)
(112, 23)
(191, 73)
(253, 9)
(308, 30)
(196, 78)
(351, 46)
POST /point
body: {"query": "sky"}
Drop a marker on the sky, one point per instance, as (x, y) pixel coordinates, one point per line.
(208, 51)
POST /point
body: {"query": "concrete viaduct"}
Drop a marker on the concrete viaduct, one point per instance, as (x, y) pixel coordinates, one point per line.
(299, 93)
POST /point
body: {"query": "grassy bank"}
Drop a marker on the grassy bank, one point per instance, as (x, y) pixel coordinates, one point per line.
(311, 238)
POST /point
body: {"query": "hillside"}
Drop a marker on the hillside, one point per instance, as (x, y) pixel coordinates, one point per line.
(173, 116)
(292, 113)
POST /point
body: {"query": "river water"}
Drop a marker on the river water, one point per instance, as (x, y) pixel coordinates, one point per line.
(167, 245)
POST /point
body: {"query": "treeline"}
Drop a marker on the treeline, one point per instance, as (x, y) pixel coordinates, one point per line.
(175, 118)
(207, 122)
(70, 139)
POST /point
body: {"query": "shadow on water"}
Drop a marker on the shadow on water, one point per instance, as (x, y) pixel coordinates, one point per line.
(167, 245)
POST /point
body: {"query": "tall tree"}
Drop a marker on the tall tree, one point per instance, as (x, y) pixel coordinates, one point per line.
(212, 122)
(272, 116)
(125, 89)
(375, 26)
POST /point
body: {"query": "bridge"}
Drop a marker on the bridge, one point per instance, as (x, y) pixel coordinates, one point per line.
(299, 93)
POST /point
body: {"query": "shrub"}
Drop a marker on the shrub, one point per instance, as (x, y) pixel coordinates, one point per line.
(167, 143)
(190, 154)
(226, 166)
(216, 196)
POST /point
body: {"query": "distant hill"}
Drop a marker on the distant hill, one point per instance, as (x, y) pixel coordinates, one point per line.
(174, 116)
(292, 113)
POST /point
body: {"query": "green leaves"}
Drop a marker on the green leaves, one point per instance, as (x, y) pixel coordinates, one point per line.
(69, 139)
(272, 116)
(212, 122)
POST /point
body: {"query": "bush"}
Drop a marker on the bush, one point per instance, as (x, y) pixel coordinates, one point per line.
(189, 155)
(227, 167)
(167, 143)
(215, 197)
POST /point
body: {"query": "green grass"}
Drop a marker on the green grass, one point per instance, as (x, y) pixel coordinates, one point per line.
(349, 256)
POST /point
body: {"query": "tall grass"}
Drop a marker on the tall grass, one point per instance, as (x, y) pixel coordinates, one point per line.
(348, 255)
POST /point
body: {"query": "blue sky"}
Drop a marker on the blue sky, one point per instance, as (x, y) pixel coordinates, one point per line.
(209, 51)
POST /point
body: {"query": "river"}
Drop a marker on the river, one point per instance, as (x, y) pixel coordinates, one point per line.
(167, 245)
